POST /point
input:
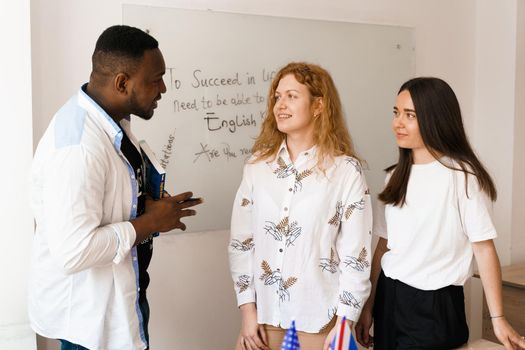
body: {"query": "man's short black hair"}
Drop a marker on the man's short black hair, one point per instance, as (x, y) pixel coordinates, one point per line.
(120, 48)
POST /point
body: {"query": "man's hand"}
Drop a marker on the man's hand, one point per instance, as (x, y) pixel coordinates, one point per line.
(164, 215)
(362, 328)
(167, 211)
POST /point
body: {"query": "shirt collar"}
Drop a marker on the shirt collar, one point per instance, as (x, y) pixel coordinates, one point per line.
(308, 155)
(112, 128)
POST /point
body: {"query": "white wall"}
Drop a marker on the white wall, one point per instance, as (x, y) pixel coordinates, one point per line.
(469, 43)
(16, 145)
(493, 132)
(518, 185)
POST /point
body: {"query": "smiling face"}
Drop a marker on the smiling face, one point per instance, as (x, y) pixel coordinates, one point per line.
(147, 84)
(293, 108)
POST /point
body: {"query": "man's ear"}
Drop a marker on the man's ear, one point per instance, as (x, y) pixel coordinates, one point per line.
(121, 83)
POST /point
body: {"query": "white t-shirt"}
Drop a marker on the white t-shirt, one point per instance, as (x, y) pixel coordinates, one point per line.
(430, 236)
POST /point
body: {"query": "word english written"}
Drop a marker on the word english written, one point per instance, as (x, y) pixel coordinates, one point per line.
(215, 123)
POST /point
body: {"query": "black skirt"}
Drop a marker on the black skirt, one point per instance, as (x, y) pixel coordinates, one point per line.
(409, 318)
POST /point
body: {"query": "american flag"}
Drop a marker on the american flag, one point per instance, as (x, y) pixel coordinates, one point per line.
(344, 339)
(291, 341)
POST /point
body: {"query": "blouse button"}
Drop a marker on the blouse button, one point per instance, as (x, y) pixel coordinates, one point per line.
(280, 250)
(290, 189)
(285, 209)
(305, 153)
(278, 270)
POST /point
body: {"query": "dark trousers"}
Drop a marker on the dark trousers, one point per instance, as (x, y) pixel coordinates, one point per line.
(65, 345)
(410, 318)
(144, 309)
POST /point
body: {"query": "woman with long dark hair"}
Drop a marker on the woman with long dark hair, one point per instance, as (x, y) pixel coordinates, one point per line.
(433, 220)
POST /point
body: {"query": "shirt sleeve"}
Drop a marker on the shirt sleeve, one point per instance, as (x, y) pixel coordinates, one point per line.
(379, 226)
(241, 245)
(474, 209)
(73, 194)
(353, 247)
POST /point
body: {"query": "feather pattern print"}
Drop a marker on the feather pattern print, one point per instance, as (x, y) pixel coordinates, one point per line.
(348, 299)
(299, 177)
(358, 263)
(283, 230)
(359, 205)
(284, 170)
(336, 219)
(329, 264)
(244, 246)
(271, 277)
(243, 283)
(355, 163)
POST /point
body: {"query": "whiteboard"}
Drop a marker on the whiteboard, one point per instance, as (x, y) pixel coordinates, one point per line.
(219, 69)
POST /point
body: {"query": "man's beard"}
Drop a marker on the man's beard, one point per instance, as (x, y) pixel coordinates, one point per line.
(136, 109)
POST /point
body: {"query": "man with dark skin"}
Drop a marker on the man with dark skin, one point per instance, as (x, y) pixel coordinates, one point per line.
(95, 221)
(121, 95)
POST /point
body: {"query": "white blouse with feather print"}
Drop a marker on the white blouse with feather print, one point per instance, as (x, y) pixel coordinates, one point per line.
(300, 240)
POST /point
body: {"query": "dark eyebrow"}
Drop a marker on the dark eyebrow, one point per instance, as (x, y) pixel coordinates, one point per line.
(159, 73)
(405, 109)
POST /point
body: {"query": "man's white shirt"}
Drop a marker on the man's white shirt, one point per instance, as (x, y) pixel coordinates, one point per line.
(84, 277)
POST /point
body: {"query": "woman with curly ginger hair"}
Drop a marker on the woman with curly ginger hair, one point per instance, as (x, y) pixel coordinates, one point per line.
(301, 221)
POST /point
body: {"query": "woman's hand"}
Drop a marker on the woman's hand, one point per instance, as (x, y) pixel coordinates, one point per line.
(490, 273)
(362, 328)
(253, 335)
(507, 335)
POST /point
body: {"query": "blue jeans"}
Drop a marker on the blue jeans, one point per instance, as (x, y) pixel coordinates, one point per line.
(65, 345)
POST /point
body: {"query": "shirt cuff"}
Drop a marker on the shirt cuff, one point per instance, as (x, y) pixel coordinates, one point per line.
(247, 296)
(125, 235)
(491, 234)
(350, 312)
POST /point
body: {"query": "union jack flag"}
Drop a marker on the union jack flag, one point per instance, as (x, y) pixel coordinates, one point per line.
(343, 340)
